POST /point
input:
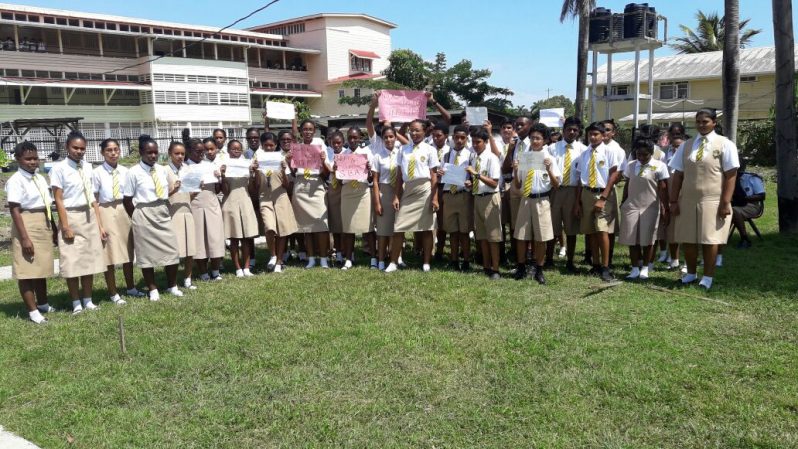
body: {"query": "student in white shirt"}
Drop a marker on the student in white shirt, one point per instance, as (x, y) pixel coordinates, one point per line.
(457, 204)
(598, 173)
(32, 231)
(336, 140)
(146, 199)
(220, 138)
(610, 130)
(79, 244)
(414, 198)
(505, 144)
(439, 138)
(109, 178)
(356, 203)
(522, 127)
(485, 173)
(705, 172)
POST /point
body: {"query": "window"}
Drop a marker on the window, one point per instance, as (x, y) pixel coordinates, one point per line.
(359, 64)
(341, 93)
(619, 90)
(357, 93)
(673, 91)
(748, 79)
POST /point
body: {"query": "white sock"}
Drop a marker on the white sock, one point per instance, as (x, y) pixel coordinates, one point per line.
(175, 291)
(116, 298)
(239, 273)
(272, 261)
(706, 281)
(347, 265)
(718, 263)
(373, 261)
(339, 257)
(205, 277)
(425, 268)
(215, 273)
(87, 304)
(381, 265)
(674, 263)
(187, 282)
(154, 295)
(324, 263)
(76, 304)
(689, 277)
(278, 268)
(36, 316)
(247, 273)
(644, 272)
(650, 267)
(303, 255)
(399, 260)
(311, 262)
(44, 308)
(634, 274)
(391, 268)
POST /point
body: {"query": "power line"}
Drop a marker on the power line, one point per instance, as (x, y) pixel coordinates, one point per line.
(171, 53)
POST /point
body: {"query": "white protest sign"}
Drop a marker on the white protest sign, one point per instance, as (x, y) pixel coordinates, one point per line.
(454, 174)
(280, 111)
(531, 160)
(476, 115)
(553, 118)
(237, 168)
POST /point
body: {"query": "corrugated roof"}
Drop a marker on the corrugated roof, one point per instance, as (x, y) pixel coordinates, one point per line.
(322, 15)
(753, 61)
(669, 116)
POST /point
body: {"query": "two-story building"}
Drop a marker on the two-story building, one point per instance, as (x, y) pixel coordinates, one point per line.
(125, 76)
(685, 83)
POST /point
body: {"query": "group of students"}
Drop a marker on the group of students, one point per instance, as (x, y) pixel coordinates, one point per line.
(111, 215)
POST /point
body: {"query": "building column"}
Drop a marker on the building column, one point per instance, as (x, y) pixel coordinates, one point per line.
(215, 51)
(136, 45)
(184, 49)
(16, 37)
(608, 112)
(260, 58)
(100, 40)
(60, 41)
(284, 66)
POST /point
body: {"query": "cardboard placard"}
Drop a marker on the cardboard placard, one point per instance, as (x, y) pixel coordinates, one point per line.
(402, 105)
(351, 167)
(305, 156)
(280, 111)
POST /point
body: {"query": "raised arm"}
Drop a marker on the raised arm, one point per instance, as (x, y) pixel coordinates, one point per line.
(370, 115)
(447, 118)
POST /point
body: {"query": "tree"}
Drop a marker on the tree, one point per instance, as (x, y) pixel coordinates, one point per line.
(731, 67)
(785, 135)
(579, 9)
(407, 68)
(711, 34)
(557, 101)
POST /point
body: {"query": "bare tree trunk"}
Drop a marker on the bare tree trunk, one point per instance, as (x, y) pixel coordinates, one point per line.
(731, 68)
(581, 62)
(786, 154)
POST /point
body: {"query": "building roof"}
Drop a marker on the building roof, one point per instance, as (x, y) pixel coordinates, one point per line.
(357, 76)
(365, 54)
(664, 116)
(694, 66)
(321, 16)
(135, 21)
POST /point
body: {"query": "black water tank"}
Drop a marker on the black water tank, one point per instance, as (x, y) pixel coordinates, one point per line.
(634, 20)
(599, 25)
(617, 27)
(651, 23)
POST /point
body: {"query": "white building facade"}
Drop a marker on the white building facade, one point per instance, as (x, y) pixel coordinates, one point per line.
(126, 76)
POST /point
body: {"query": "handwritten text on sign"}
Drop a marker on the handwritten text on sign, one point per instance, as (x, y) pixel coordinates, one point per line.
(305, 156)
(402, 105)
(351, 167)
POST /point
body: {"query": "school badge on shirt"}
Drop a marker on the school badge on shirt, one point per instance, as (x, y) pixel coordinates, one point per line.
(716, 153)
(423, 159)
(601, 164)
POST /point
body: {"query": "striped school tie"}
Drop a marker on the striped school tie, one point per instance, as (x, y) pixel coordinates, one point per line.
(700, 154)
(86, 187)
(411, 165)
(566, 166)
(354, 184)
(115, 184)
(335, 183)
(306, 173)
(591, 171)
(642, 169)
(158, 186)
(475, 181)
(530, 176)
(39, 182)
(453, 188)
(392, 172)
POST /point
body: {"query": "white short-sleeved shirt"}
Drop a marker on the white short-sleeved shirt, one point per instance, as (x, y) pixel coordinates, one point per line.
(382, 161)
(440, 151)
(65, 175)
(504, 147)
(659, 167)
(489, 166)
(426, 157)
(671, 151)
(463, 160)
(729, 158)
(104, 182)
(542, 181)
(27, 189)
(605, 161)
(140, 185)
(522, 146)
(558, 152)
(620, 154)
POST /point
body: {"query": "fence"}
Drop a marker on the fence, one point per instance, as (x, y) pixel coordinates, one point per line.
(53, 149)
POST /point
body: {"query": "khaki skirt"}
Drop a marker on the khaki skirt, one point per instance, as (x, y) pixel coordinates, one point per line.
(208, 224)
(277, 213)
(415, 208)
(488, 217)
(183, 224)
(82, 255)
(156, 244)
(356, 208)
(386, 221)
(334, 209)
(698, 223)
(310, 205)
(239, 217)
(116, 222)
(40, 233)
(639, 226)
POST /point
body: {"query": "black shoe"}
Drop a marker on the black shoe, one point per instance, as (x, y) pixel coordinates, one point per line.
(495, 276)
(606, 275)
(595, 271)
(520, 272)
(478, 259)
(539, 276)
(571, 268)
(439, 256)
(744, 244)
(465, 267)
(454, 265)
(487, 271)
(588, 261)
(549, 263)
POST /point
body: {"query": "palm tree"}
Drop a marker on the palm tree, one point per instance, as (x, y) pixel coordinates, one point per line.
(731, 67)
(710, 35)
(580, 9)
(786, 158)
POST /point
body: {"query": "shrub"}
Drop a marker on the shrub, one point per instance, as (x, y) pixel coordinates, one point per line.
(755, 140)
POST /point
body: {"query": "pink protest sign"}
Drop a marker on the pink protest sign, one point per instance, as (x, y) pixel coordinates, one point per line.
(402, 105)
(351, 167)
(305, 156)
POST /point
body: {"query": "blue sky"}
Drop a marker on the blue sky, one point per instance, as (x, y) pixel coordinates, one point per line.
(522, 42)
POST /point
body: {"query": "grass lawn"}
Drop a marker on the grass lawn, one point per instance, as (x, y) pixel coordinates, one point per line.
(362, 359)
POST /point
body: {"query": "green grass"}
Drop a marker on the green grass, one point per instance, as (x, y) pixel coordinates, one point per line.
(363, 359)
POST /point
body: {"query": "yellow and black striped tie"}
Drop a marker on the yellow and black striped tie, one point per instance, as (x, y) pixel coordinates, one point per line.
(411, 165)
(591, 171)
(700, 154)
(116, 190)
(86, 187)
(530, 177)
(40, 183)
(566, 166)
(475, 180)
(157, 181)
(453, 188)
